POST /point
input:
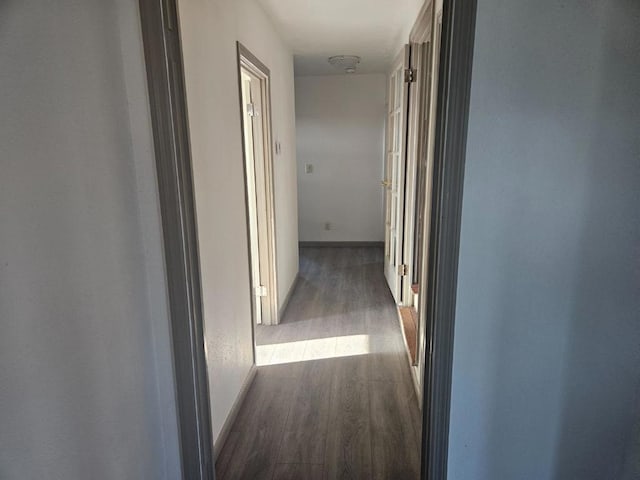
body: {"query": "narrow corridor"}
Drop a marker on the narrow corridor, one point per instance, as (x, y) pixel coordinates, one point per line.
(333, 397)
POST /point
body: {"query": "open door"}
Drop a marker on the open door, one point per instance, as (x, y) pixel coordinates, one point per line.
(418, 176)
(419, 95)
(394, 171)
(254, 85)
(425, 193)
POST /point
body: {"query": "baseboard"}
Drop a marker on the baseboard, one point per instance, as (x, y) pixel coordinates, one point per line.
(231, 418)
(285, 304)
(341, 244)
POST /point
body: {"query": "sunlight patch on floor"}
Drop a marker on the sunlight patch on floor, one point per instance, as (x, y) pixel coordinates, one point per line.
(314, 349)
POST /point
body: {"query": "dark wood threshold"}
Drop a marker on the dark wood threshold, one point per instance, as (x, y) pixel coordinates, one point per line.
(409, 322)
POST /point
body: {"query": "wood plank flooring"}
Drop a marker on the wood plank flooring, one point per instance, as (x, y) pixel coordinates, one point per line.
(333, 398)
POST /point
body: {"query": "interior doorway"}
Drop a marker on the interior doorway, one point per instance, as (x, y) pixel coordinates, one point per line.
(409, 203)
(440, 242)
(255, 108)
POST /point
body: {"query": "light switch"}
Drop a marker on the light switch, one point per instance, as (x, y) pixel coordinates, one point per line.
(308, 168)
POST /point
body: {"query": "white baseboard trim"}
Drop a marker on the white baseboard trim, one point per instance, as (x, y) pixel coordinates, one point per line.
(231, 418)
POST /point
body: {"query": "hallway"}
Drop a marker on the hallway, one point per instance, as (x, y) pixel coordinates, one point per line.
(333, 397)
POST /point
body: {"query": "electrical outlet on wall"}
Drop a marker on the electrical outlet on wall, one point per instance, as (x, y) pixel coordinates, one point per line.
(308, 168)
(328, 226)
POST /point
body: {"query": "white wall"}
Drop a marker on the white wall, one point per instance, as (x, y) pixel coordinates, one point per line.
(340, 131)
(210, 30)
(546, 374)
(411, 9)
(86, 386)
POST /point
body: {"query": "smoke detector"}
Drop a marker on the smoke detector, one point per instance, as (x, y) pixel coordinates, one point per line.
(347, 63)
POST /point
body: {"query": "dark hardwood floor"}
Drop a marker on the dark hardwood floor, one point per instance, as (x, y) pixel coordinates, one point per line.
(332, 398)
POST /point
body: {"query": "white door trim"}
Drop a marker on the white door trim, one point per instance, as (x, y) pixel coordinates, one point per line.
(268, 278)
(395, 164)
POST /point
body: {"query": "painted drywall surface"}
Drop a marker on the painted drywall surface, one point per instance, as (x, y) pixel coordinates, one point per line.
(547, 359)
(86, 387)
(141, 137)
(257, 33)
(340, 132)
(410, 16)
(210, 30)
(317, 30)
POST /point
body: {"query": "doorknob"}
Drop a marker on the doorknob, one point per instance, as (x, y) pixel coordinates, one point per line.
(385, 183)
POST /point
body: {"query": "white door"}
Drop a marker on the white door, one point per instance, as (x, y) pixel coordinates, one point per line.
(257, 195)
(395, 173)
(418, 93)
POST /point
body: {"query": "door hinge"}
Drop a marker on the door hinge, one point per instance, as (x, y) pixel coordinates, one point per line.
(409, 75)
(251, 110)
(261, 291)
(403, 270)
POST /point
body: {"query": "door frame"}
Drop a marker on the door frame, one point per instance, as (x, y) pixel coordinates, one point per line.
(393, 265)
(248, 61)
(418, 137)
(441, 274)
(413, 150)
(175, 184)
(426, 33)
(169, 121)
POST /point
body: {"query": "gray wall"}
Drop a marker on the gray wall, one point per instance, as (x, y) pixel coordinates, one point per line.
(86, 387)
(547, 348)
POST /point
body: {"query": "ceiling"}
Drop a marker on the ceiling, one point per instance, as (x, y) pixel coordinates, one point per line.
(318, 29)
